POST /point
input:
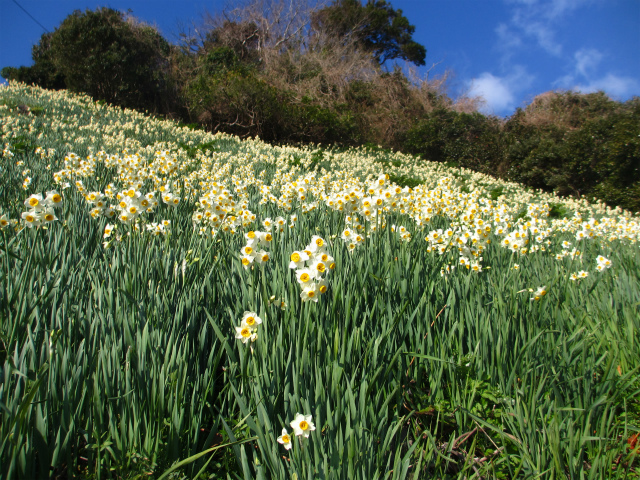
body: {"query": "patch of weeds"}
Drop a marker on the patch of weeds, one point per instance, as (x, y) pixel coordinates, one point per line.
(191, 151)
(558, 210)
(405, 180)
(495, 193)
(23, 145)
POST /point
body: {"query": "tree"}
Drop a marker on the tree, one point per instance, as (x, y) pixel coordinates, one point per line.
(376, 26)
(111, 57)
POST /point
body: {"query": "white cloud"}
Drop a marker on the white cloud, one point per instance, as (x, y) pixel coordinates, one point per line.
(499, 92)
(583, 77)
(494, 90)
(615, 86)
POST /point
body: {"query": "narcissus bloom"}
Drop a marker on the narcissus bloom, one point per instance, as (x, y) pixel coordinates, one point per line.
(245, 334)
(302, 425)
(251, 320)
(310, 292)
(285, 439)
(539, 293)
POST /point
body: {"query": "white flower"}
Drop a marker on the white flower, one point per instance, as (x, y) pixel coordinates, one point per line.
(285, 439)
(603, 263)
(245, 334)
(539, 293)
(251, 320)
(310, 292)
(302, 425)
(297, 259)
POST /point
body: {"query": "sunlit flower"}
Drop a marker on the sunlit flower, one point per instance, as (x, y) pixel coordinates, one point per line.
(302, 425)
(251, 320)
(297, 259)
(539, 293)
(285, 439)
(246, 334)
(309, 292)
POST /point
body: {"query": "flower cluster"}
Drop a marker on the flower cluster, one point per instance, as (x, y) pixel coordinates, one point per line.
(248, 329)
(253, 251)
(312, 265)
(302, 426)
(41, 210)
(405, 235)
(602, 263)
(539, 293)
(579, 275)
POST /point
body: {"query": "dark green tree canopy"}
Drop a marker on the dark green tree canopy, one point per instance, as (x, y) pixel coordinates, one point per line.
(376, 26)
(109, 57)
(104, 53)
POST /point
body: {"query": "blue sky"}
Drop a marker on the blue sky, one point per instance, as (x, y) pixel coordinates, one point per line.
(507, 51)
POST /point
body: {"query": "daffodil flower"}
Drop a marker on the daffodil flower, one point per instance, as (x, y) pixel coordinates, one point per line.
(285, 439)
(302, 425)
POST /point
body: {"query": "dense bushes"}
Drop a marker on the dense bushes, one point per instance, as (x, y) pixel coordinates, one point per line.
(250, 76)
(583, 145)
(469, 140)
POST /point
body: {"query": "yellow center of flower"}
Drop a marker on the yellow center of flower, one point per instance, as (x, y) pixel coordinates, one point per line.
(268, 237)
(323, 288)
(304, 277)
(250, 320)
(304, 425)
(319, 242)
(245, 332)
(265, 257)
(251, 234)
(311, 294)
(248, 250)
(29, 218)
(34, 202)
(48, 217)
(286, 439)
(332, 266)
(295, 257)
(320, 267)
(245, 261)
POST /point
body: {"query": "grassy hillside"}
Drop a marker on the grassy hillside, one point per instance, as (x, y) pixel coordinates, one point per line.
(171, 300)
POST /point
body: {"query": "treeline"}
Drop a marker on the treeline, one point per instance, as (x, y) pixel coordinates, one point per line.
(291, 72)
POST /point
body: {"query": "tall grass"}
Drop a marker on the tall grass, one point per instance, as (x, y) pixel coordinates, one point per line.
(118, 356)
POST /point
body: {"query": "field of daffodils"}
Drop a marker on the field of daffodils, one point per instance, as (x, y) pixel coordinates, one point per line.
(176, 304)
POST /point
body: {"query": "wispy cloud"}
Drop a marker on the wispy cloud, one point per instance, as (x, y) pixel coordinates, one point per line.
(587, 60)
(585, 77)
(539, 20)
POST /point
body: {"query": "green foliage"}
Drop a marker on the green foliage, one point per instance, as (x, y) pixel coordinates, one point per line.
(119, 360)
(470, 140)
(592, 150)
